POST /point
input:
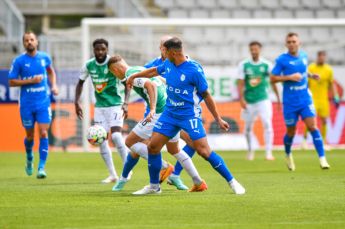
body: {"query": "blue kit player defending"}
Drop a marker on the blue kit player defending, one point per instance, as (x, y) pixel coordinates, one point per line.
(291, 69)
(186, 88)
(30, 71)
(174, 178)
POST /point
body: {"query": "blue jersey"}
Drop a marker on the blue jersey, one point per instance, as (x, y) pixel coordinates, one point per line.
(155, 63)
(26, 67)
(185, 85)
(295, 94)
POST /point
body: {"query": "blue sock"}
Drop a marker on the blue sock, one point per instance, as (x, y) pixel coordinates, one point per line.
(155, 165)
(287, 144)
(318, 142)
(43, 150)
(219, 165)
(28, 148)
(129, 165)
(178, 167)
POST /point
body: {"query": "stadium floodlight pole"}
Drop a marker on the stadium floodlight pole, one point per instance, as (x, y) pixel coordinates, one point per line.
(86, 92)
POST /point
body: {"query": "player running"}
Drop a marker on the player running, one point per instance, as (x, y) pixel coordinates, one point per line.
(153, 91)
(253, 86)
(291, 69)
(110, 110)
(320, 90)
(174, 178)
(30, 71)
(186, 87)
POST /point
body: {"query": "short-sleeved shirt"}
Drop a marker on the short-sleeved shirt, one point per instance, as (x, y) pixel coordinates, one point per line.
(319, 88)
(256, 79)
(107, 91)
(295, 94)
(138, 87)
(154, 63)
(27, 67)
(185, 85)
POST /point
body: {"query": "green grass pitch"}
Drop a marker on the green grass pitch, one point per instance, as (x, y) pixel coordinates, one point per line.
(72, 196)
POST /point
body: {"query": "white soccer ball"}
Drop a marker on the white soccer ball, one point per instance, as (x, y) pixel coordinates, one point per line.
(96, 135)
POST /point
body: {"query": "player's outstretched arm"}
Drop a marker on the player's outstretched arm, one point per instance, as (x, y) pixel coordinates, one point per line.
(148, 73)
(211, 106)
(52, 80)
(151, 89)
(78, 91)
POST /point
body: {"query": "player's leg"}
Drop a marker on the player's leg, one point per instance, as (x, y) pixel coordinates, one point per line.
(105, 150)
(157, 142)
(310, 122)
(188, 148)
(115, 119)
(28, 123)
(197, 133)
(324, 115)
(248, 115)
(43, 118)
(184, 159)
(265, 111)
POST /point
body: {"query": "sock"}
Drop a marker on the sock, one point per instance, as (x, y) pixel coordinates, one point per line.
(219, 165)
(108, 158)
(324, 132)
(318, 143)
(120, 145)
(248, 135)
(129, 165)
(287, 144)
(188, 165)
(28, 148)
(43, 151)
(141, 149)
(155, 165)
(178, 167)
(268, 133)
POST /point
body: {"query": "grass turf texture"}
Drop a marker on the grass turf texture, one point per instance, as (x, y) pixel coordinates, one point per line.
(72, 196)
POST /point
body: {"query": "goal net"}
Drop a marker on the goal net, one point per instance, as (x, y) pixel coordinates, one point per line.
(219, 45)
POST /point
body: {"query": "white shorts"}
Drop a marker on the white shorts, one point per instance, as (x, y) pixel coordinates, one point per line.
(144, 129)
(109, 116)
(262, 109)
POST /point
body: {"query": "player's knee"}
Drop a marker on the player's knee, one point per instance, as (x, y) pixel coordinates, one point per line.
(153, 149)
(43, 134)
(128, 143)
(312, 128)
(134, 155)
(203, 151)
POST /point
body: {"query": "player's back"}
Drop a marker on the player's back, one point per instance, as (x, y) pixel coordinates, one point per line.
(27, 67)
(185, 83)
(319, 88)
(294, 93)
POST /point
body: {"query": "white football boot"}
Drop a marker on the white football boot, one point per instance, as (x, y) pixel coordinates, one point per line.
(290, 163)
(109, 179)
(237, 187)
(323, 163)
(147, 190)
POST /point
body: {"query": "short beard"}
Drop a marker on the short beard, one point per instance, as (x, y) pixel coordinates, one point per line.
(100, 61)
(30, 49)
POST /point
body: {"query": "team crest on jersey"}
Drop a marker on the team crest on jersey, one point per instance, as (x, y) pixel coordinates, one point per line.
(305, 61)
(100, 87)
(254, 81)
(262, 69)
(249, 71)
(106, 71)
(183, 77)
(43, 62)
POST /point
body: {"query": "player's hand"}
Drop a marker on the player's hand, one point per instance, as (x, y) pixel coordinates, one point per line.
(129, 82)
(314, 76)
(78, 110)
(296, 77)
(125, 110)
(243, 104)
(55, 90)
(150, 116)
(37, 79)
(223, 124)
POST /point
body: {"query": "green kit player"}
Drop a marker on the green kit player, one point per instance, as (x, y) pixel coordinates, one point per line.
(254, 86)
(110, 110)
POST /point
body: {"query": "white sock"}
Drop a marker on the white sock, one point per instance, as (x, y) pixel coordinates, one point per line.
(120, 145)
(141, 149)
(268, 133)
(188, 165)
(108, 159)
(248, 135)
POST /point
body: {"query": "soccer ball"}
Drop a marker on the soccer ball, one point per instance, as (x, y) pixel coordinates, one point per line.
(96, 135)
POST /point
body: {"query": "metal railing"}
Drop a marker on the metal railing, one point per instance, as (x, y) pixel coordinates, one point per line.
(11, 20)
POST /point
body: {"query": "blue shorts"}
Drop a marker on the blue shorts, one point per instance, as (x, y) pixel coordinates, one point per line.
(291, 115)
(31, 114)
(170, 126)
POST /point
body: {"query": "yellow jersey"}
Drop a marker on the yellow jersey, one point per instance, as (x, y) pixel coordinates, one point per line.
(320, 88)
